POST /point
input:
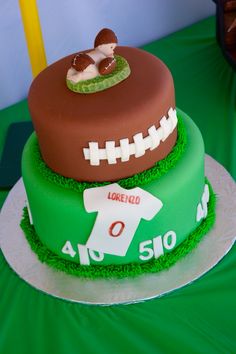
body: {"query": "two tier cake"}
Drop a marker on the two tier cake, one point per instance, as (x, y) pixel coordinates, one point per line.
(114, 173)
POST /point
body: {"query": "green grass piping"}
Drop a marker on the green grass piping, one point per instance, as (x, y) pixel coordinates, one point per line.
(126, 270)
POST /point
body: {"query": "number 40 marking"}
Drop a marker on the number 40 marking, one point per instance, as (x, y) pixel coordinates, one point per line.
(84, 253)
(158, 244)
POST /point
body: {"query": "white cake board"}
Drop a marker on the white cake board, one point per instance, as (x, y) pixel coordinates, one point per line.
(214, 246)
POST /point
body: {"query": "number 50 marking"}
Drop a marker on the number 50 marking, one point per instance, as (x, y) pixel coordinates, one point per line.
(157, 246)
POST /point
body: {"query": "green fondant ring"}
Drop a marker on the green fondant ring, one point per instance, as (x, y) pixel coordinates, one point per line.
(126, 270)
(103, 82)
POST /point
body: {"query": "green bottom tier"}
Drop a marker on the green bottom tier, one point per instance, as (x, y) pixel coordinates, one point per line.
(119, 271)
(63, 223)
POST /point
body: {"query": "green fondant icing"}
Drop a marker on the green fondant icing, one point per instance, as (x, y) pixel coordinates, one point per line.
(100, 83)
(58, 211)
(124, 270)
(154, 173)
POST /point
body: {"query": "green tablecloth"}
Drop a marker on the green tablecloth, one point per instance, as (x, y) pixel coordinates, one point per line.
(200, 318)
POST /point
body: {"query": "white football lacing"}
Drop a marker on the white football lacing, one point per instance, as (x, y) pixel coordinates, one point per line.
(137, 148)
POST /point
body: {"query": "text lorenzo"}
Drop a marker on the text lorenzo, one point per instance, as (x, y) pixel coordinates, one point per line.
(124, 198)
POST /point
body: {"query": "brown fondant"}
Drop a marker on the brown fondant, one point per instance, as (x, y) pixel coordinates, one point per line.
(106, 66)
(105, 36)
(81, 61)
(66, 122)
(230, 6)
(230, 30)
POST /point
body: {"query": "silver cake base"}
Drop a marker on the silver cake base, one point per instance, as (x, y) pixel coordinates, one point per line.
(209, 252)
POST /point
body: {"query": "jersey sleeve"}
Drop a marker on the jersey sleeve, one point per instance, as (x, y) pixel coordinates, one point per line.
(94, 198)
(151, 206)
(91, 198)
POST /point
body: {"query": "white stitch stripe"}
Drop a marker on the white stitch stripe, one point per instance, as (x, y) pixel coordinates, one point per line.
(124, 146)
(139, 145)
(111, 153)
(155, 139)
(94, 154)
(172, 115)
(166, 127)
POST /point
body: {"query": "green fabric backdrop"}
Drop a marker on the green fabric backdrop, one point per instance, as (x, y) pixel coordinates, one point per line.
(199, 318)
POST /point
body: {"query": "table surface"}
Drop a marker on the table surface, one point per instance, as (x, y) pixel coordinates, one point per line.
(199, 318)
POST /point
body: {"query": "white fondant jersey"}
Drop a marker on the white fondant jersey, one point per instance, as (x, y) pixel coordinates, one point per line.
(119, 214)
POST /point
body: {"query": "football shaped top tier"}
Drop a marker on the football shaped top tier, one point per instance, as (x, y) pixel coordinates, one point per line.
(108, 135)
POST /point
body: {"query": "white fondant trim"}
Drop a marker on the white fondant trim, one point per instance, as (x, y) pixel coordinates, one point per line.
(29, 213)
(137, 148)
(155, 138)
(94, 154)
(83, 254)
(202, 208)
(110, 150)
(124, 146)
(139, 145)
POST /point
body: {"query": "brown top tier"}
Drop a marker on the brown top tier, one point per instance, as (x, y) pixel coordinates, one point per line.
(65, 122)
